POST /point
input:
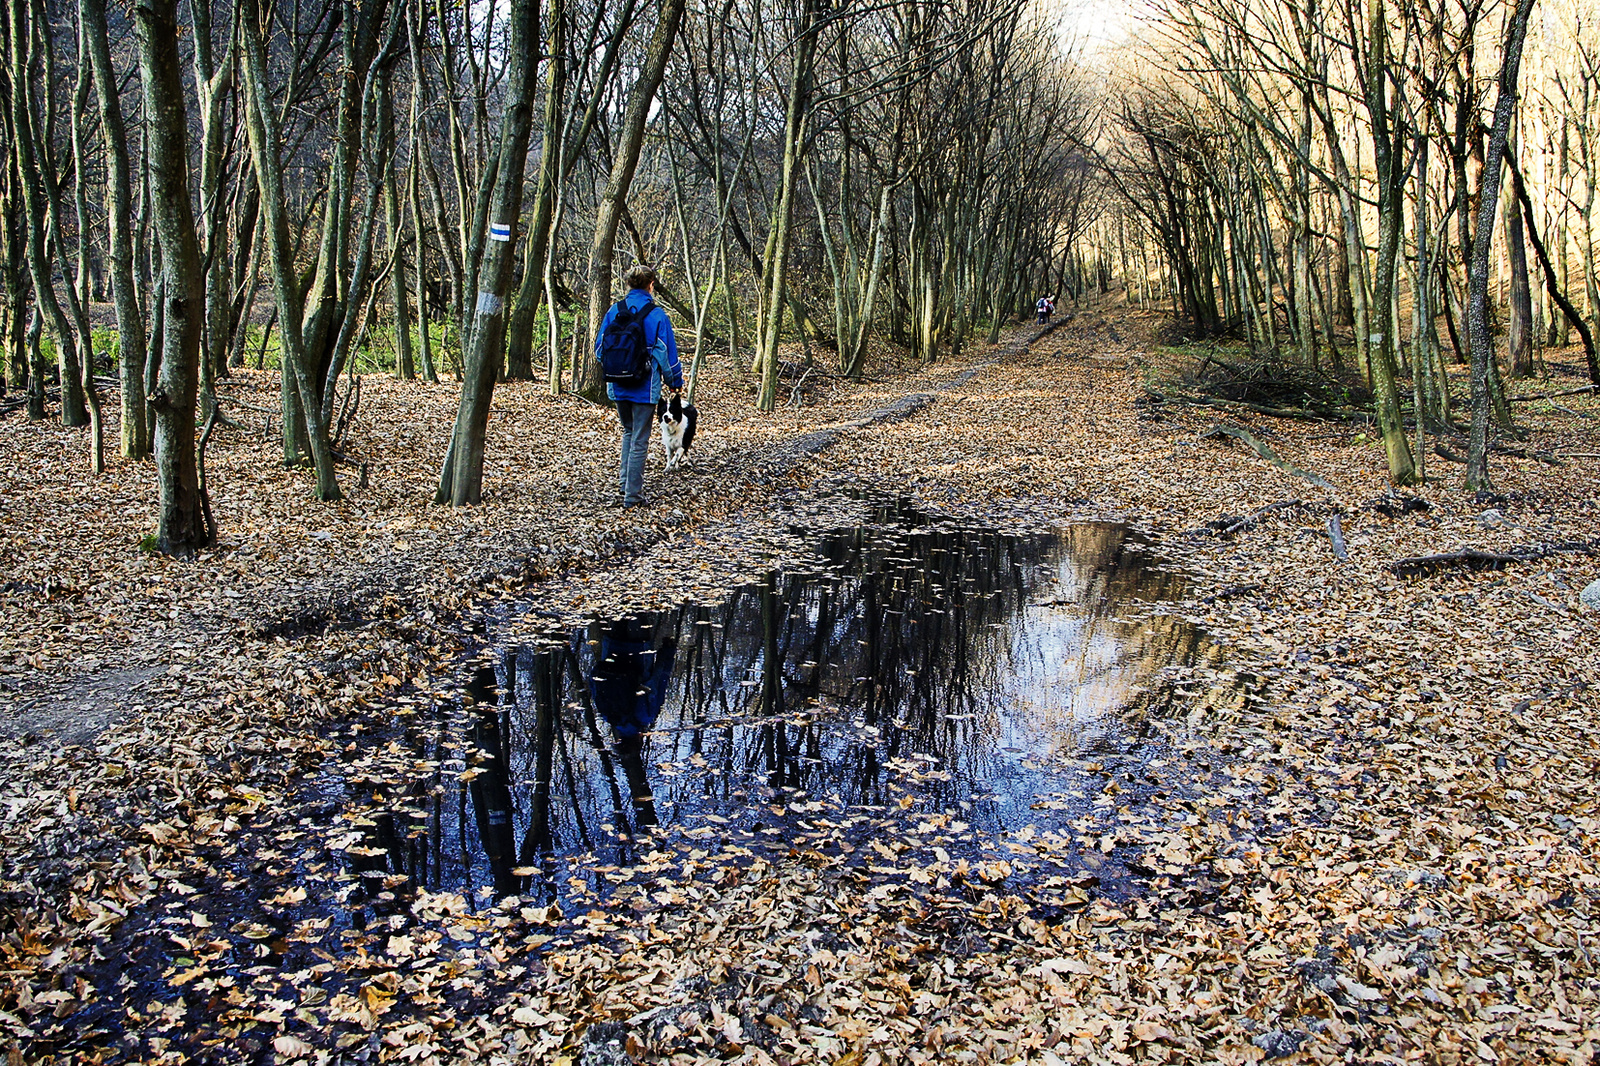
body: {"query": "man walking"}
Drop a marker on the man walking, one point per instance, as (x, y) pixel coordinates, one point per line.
(638, 354)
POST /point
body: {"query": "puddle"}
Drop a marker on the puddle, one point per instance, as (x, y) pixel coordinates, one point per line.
(916, 671)
(935, 707)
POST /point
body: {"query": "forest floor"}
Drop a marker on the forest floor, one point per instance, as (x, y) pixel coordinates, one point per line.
(1392, 856)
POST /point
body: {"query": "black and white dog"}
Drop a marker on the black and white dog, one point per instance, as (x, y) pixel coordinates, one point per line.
(678, 421)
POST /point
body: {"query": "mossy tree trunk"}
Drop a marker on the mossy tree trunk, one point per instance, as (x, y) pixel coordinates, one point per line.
(184, 524)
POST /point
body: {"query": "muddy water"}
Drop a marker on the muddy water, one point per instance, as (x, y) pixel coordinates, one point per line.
(918, 670)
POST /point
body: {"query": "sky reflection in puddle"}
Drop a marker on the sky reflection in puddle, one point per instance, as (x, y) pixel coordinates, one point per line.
(921, 670)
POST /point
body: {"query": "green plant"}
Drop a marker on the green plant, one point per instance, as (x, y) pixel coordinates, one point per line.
(108, 342)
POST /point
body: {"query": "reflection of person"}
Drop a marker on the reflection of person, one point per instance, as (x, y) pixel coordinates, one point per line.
(629, 685)
(636, 400)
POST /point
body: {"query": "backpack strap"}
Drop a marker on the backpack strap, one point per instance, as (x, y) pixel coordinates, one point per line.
(644, 313)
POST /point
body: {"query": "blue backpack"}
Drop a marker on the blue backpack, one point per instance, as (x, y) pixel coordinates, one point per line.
(624, 353)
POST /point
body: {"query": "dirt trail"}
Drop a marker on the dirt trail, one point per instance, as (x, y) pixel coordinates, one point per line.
(1419, 876)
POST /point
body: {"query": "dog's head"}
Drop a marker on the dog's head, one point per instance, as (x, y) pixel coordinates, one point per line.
(670, 410)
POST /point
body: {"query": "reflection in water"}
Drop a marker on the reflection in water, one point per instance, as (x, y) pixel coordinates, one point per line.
(928, 669)
(628, 687)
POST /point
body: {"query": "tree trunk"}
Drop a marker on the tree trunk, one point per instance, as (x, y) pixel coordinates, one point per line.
(586, 379)
(1482, 351)
(16, 365)
(300, 395)
(184, 517)
(1388, 150)
(420, 241)
(79, 296)
(461, 478)
(783, 213)
(404, 362)
(211, 85)
(36, 405)
(1520, 331)
(1560, 334)
(28, 145)
(519, 336)
(1570, 315)
(332, 300)
(135, 433)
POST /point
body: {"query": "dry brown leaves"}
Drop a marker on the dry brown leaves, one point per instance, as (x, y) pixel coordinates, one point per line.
(1395, 859)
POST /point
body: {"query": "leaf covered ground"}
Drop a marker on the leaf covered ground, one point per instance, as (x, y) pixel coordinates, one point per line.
(1387, 853)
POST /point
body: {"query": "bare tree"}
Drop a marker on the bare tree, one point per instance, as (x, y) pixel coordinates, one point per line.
(1516, 32)
(300, 395)
(185, 524)
(461, 478)
(625, 158)
(135, 433)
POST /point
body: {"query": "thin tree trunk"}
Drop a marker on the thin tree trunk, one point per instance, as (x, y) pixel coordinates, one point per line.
(586, 378)
(211, 84)
(80, 298)
(420, 239)
(1520, 330)
(27, 146)
(135, 432)
(183, 524)
(1388, 151)
(262, 127)
(404, 362)
(461, 478)
(1552, 282)
(519, 333)
(783, 213)
(1482, 352)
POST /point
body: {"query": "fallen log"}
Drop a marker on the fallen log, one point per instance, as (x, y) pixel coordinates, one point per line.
(1477, 559)
(1548, 458)
(1262, 449)
(1228, 524)
(1469, 559)
(1344, 414)
(1553, 395)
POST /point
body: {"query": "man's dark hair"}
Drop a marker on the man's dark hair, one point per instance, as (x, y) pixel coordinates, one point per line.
(639, 276)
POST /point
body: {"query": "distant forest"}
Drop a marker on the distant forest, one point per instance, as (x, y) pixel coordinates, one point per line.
(1373, 191)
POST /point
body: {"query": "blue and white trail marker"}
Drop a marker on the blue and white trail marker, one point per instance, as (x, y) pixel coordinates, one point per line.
(499, 231)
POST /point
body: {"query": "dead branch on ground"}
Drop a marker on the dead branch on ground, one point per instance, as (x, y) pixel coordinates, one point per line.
(1262, 449)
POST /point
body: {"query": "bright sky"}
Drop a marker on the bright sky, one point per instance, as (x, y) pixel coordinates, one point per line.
(1095, 25)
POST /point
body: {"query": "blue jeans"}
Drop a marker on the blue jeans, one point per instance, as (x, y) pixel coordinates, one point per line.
(637, 420)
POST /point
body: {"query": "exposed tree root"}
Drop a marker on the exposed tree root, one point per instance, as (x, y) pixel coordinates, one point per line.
(1476, 559)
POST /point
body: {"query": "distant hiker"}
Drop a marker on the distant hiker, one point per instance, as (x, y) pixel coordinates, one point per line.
(1044, 309)
(637, 354)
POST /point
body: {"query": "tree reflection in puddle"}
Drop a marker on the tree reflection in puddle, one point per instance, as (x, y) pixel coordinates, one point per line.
(922, 670)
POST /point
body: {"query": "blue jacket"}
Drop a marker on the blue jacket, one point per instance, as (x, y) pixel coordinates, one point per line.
(663, 349)
(629, 680)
